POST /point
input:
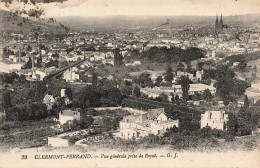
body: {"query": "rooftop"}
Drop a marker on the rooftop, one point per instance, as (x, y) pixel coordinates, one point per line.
(69, 112)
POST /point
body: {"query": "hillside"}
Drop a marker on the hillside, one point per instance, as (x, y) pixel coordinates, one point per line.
(9, 22)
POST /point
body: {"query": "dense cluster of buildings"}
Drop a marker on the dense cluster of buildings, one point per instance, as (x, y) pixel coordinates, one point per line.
(177, 90)
(99, 46)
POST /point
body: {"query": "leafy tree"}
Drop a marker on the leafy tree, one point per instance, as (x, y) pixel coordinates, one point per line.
(28, 64)
(136, 91)
(242, 65)
(38, 90)
(87, 96)
(12, 113)
(163, 97)
(69, 93)
(169, 75)
(173, 98)
(118, 57)
(173, 54)
(94, 79)
(114, 95)
(75, 125)
(180, 66)
(125, 88)
(144, 80)
(7, 52)
(68, 50)
(196, 96)
(8, 78)
(185, 86)
(206, 95)
(228, 87)
(158, 81)
(246, 102)
(232, 124)
(177, 98)
(54, 87)
(6, 100)
(86, 121)
(52, 63)
(60, 104)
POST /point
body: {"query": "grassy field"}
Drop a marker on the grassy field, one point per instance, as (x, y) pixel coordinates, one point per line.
(246, 143)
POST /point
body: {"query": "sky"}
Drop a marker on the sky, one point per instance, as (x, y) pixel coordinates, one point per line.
(148, 7)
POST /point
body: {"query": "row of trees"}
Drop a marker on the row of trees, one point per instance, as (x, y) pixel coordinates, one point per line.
(97, 96)
(173, 54)
(245, 120)
(173, 111)
(28, 111)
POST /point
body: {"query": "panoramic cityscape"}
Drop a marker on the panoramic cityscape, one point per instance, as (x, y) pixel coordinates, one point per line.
(184, 82)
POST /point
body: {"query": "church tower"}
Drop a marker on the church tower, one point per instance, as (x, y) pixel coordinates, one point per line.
(216, 24)
(221, 23)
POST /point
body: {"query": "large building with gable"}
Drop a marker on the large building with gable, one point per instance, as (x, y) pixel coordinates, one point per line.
(154, 121)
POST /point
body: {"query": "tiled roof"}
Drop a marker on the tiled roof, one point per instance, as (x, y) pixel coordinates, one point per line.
(69, 112)
(154, 113)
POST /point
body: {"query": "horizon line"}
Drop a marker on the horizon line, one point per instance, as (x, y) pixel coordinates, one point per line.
(140, 15)
(133, 15)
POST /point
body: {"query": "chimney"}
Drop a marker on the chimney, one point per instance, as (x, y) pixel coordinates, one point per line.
(19, 52)
(70, 73)
(32, 62)
(40, 54)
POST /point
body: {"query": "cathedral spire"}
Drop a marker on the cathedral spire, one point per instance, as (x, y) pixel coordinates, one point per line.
(221, 23)
(216, 24)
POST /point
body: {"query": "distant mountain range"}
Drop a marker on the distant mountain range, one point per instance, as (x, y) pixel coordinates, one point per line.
(243, 20)
(17, 23)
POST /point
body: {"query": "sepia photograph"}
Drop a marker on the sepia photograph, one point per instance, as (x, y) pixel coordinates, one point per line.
(129, 83)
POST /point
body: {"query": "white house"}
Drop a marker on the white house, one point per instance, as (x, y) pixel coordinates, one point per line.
(199, 75)
(70, 76)
(256, 85)
(57, 142)
(68, 115)
(154, 121)
(214, 119)
(49, 101)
